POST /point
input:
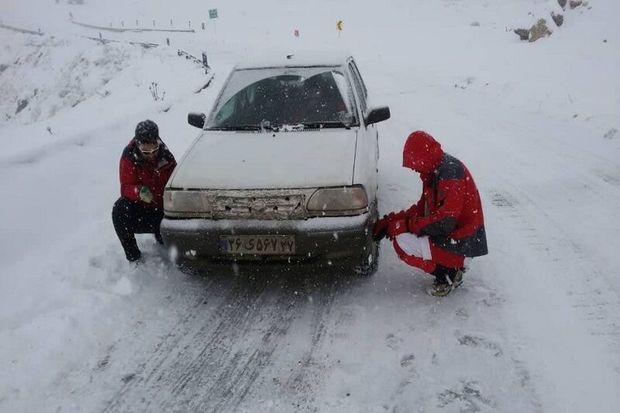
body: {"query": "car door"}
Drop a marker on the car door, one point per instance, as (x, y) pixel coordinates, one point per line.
(367, 148)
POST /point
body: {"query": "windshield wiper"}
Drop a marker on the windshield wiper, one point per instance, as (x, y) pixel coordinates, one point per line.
(268, 126)
(325, 125)
(265, 125)
(236, 127)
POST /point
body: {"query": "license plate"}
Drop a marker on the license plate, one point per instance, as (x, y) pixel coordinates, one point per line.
(258, 244)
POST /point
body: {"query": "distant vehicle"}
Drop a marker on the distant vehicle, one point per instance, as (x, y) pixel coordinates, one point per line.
(285, 170)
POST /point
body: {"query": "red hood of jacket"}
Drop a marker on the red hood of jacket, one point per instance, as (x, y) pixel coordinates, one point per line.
(422, 152)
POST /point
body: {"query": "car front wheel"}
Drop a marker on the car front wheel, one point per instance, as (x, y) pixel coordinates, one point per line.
(369, 265)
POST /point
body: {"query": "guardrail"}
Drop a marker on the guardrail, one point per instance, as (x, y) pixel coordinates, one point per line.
(17, 29)
(135, 30)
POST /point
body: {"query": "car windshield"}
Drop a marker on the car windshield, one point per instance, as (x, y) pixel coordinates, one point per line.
(280, 97)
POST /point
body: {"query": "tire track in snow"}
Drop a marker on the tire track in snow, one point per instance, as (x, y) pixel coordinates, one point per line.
(214, 364)
(307, 377)
(241, 382)
(229, 388)
(232, 320)
(149, 377)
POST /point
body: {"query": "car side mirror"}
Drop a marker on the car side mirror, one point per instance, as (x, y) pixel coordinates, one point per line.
(196, 119)
(376, 115)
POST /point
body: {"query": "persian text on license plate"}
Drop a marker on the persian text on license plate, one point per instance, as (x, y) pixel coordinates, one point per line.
(258, 244)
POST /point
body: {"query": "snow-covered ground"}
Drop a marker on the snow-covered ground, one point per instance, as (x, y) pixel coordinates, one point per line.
(535, 327)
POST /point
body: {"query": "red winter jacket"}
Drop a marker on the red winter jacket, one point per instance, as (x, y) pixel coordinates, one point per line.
(449, 211)
(136, 172)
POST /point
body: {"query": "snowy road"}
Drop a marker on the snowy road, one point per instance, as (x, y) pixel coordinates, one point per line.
(312, 343)
(534, 328)
(529, 320)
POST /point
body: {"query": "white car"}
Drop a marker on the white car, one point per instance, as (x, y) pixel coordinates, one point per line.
(284, 170)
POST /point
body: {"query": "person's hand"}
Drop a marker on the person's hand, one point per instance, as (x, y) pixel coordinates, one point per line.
(394, 216)
(146, 195)
(396, 227)
(379, 230)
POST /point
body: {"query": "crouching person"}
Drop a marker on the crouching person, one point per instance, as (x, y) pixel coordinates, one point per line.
(446, 226)
(145, 166)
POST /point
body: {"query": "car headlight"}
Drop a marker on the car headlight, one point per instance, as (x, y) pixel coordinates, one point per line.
(182, 201)
(343, 200)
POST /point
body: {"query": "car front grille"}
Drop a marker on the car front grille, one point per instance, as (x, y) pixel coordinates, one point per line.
(257, 204)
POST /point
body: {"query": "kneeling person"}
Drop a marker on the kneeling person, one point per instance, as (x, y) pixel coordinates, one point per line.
(145, 166)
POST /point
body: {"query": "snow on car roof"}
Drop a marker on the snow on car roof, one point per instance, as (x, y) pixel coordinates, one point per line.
(293, 59)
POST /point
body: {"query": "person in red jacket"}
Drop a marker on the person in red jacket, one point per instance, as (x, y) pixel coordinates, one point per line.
(145, 166)
(446, 226)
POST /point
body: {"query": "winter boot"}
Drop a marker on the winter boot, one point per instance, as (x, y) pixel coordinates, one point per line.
(446, 280)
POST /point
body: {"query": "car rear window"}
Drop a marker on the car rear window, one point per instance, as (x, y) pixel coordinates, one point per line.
(284, 96)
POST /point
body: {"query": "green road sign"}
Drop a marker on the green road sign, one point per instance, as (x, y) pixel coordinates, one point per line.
(213, 13)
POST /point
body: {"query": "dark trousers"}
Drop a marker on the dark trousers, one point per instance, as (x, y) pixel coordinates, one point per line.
(131, 218)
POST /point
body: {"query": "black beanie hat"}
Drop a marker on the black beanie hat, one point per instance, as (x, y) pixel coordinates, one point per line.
(147, 132)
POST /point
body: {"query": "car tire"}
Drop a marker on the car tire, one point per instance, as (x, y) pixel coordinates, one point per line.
(369, 265)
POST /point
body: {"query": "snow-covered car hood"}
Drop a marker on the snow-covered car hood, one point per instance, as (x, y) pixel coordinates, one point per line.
(253, 160)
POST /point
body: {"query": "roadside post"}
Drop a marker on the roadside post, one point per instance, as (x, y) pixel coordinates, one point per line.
(205, 62)
(213, 16)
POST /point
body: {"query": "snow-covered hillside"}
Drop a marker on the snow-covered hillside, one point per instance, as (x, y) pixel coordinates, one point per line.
(535, 327)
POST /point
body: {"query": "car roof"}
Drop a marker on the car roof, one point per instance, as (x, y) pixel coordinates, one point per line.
(294, 59)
